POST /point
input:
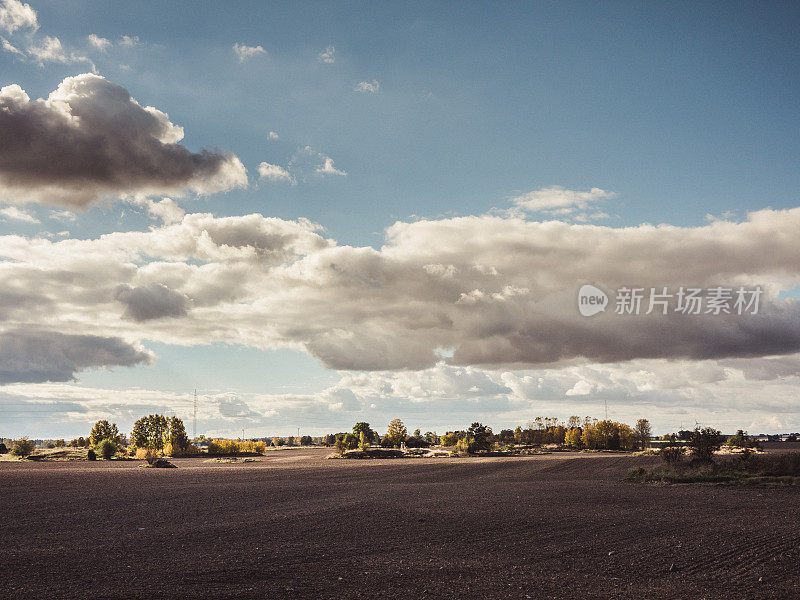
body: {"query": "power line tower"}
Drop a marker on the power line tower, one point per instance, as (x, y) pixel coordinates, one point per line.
(194, 419)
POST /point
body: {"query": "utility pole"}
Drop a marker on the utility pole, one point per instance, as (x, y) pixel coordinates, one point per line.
(194, 420)
(605, 403)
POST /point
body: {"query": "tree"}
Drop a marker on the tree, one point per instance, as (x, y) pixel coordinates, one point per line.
(23, 447)
(397, 432)
(479, 437)
(449, 439)
(103, 430)
(290, 440)
(151, 431)
(642, 432)
(306, 440)
(277, 441)
(573, 437)
(3, 448)
(177, 436)
(362, 427)
(704, 442)
(363, 441)
(107, 448)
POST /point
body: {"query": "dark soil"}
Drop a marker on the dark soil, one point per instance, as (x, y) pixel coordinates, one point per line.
(295, 525)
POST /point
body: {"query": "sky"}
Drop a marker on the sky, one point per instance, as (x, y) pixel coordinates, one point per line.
(323, 213)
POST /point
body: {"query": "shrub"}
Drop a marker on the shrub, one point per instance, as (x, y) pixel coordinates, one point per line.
(90, 455)
(704, 443)
(23, 447)
(449, 439)
(671, 454)
(106, 448)
(187, 450)
(3, 449)
(234, 447)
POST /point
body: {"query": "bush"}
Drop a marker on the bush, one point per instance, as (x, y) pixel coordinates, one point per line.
(23, 447)
(704, 443)
(234, 447)
(3, 449)
(176, 452)
(449, 439)
(106, 448)
(671, 454)
(90, 455)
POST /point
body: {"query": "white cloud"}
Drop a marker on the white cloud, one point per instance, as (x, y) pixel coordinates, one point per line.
(127, 41)
(327, 168)
(9, 47)
(560, 201)
(328, 55)
(16, 15)
(273, 135)
(274, 173)
(244, 52)
(365, 87)
(49, 49)
(90, 140)
(166, 210)
(14, 213)
(62, 215)
(100, 43)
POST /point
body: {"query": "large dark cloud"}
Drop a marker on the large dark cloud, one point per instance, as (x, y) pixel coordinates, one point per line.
(89, 139)
(39, 356)
(151, 301)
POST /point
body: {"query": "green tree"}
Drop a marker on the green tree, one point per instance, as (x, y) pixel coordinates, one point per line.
(306, 440)
(23, 447)
(479, 437)
(704, 442)
(363, 426)
(106, 448)
(397, 432)
(642, 432)
(449, 439)
(363, 441)
(103, 430)
(177, 435)
(151, 431)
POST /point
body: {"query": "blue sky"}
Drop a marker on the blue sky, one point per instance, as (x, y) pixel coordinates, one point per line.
(677, 110)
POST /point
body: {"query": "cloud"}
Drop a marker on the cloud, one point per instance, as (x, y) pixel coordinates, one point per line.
(62, 215)
(560, 201)
(14, 213)
(274, 173)
(16, 15)
(166, 209)
(100, 43)
(127, 41)
(37, 356)
(49, 49)
(365, 87)
(244, 52)
(90, 140)
(490, 291)
(9, 47)
(327, 168)
(151, 301)
(307, 162)
(273, 135)
(328, 55)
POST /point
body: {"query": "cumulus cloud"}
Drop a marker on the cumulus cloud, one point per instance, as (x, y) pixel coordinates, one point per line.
(16, 15)
(244, 52)
(130, 41)
(365, 87)
(328, 55)
(36, 356)
(557, 200)
(151, 301)
(9, 47)
(274, 173)
(307, 161)
(273, 135)
(89, 140)
(100, 43)
(16, 214)
(490, 291)
(49, 49)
